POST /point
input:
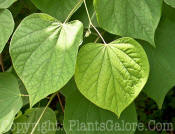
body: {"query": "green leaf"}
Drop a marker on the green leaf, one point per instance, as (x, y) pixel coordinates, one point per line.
(25, 123)
(162, 63)
(79, 112)
(6, 3)
(59, 9)
(134, 18)
(10, 100)
(6, 27)
(44, 54)
(112, 75)
(170, 2)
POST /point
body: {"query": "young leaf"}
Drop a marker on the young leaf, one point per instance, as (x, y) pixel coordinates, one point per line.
(26, 122)
(79, 113)
(57, 8)
(162, 62)
(170, 2)
(44, 54)
(133, 18)
(6, 3)
(112, 75)
(10, 100)
(6, 27)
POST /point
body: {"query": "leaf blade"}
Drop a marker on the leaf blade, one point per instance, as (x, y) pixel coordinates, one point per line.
(10, 100)
(6, 27)
(45, 55)
(131, 18)
(54, 9)
(111, 76)
(77, 119)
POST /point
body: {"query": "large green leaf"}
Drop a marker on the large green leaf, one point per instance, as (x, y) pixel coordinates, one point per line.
(6, 3)
(57, 8)
(10, 100)
(162, 62)
(25, 123)
(80, 113)
(6, 27)
(133, 18)
(112, 75)
(44, 54)
(170, 2)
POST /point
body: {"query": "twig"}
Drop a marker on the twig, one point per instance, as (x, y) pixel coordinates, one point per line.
(61, 104)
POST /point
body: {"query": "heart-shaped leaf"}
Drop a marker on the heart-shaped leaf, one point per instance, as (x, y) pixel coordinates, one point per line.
(10, 100)
(6, 27)
(44, 53)
(134, 18)
(112, 75)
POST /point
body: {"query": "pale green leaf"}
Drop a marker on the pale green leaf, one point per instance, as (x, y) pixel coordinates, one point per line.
(25, 123)
(81, 116)
(170, 2)
(6, 3)
(162, 62)
(10, 100)
(112, 75)
(44, 54)
(59, 9)
(134, 18)
(6, 27)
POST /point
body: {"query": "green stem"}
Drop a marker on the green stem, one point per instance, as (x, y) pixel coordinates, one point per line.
(90, 22)
(73, 10)
(51, 98)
